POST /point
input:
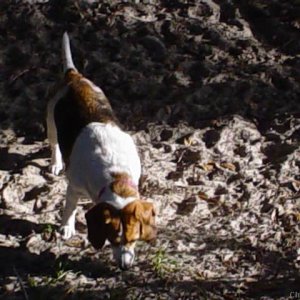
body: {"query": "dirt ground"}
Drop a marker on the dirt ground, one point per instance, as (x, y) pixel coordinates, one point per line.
(210, 91)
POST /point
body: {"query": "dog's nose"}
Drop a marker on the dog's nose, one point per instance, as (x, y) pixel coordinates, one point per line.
(127, 259)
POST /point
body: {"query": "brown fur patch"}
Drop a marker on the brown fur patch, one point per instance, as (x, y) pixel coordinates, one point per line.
(93, 105)
(138, 219)
(123, 185)
(80, 106)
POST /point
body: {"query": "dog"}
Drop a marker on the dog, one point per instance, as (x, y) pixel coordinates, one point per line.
(101, 162)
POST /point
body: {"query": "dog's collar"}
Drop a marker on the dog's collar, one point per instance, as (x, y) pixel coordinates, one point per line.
(126, 181)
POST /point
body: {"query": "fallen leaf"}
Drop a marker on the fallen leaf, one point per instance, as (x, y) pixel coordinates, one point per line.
(208, 167)
(228, 166)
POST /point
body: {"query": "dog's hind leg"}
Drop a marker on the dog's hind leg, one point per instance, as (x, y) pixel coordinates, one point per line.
(56, 165)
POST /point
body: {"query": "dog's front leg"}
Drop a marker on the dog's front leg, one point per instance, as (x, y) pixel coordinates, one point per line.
(68, 218)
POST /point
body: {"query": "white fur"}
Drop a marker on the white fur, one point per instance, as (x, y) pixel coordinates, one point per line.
(56, 164)
(99, 150)
(66, 53)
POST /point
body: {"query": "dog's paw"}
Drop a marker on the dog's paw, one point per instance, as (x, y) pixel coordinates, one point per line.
(56, 168)
(67, 231)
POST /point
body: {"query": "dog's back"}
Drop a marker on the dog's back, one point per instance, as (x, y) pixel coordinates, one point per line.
(102, 150)
(83, 103)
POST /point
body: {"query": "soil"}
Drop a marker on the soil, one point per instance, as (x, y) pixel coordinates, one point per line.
(210, 92)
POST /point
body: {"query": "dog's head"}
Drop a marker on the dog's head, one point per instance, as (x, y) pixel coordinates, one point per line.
(122, 228)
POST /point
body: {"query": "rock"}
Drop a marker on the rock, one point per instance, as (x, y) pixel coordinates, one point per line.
(36, 244)
(155, 47)
(166, 134)
(186, 206)
(211, 137)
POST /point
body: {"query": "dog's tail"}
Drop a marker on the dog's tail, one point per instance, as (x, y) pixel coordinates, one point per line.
(66, 53)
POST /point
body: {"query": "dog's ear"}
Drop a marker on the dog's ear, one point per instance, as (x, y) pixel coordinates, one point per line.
(139, 221)
(145, 213)
(103, 223)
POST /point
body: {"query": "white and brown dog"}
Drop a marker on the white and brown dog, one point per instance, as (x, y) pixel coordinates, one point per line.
(101, 162)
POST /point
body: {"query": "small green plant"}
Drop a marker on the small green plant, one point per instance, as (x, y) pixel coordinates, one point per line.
(163, 264)
(31, 282)
(60, 273)
(48, 232)
(48, 229)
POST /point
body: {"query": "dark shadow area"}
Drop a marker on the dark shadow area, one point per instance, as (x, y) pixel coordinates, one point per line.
(10, 161)
(192, 290)
(22, 263)
(25, 228)
(274, 288)
(279, 277)
(274, 23)
(25, 262)
(189, 290)
(14, 162)
(178, 67)
(19, 227)
(46, 265)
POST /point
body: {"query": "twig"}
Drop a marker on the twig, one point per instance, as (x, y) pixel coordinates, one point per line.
(21, 283)
(14, 78)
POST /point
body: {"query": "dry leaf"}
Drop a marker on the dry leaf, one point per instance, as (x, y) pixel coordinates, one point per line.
(203, 196)
(208, 167)
(228, 166)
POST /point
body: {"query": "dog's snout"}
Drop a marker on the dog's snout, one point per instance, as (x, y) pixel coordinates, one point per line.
(127, 259)
(124, 257)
